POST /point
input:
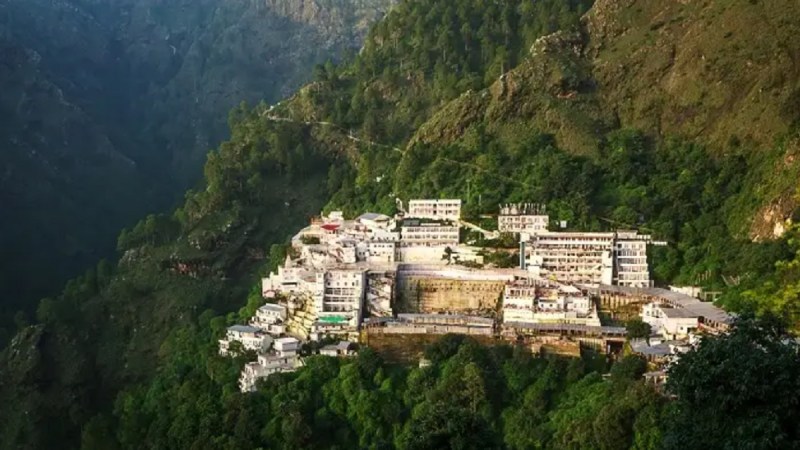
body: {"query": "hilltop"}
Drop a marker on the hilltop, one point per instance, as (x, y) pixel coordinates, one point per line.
(483, 101)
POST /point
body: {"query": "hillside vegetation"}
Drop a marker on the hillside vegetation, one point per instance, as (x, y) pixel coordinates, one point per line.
(485, 101)
(110, 107)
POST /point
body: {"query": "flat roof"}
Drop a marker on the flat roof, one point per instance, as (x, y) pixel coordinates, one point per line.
(244, 329)
(287, 340)
(465, 317)
(702, 309)
(640, 346)
(373, 216)
(273, 307)
(678, 313)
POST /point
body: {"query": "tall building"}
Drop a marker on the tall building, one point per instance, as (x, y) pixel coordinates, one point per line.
(618, 258)
(527, 218)
(343, 296)
(428, 235)
(448, 209)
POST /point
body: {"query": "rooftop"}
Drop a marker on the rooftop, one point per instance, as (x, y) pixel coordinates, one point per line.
(678, 313)
(705, 310)
(244, 329)
(374, 217)
(641, 346)
(287, 340)
(273, 307)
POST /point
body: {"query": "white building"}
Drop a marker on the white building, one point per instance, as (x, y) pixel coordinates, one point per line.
(251, 338)
(343, 348)
(539, 301)
(414, 234)
(270, 318)
(618, 258)
(283, 358)
(519, 301)
(377, 251)
(522, 218)
(287, 346)
(672, 323)
(448, 209)
(343, 295)
(573, 257)
(630, 259)
(287, 280)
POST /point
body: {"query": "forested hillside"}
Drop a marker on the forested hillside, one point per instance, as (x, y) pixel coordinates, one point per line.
(484, 101)
(111, 106)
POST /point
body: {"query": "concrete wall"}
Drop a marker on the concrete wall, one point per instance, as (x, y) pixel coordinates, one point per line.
(417, 294)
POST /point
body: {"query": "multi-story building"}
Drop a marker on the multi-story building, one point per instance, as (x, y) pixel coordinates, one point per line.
(573, 257)
(630, 259)
(283, 358)
(618, 258)
(250, 337)
(414, 234)
(538, 301)
(519, 301)
(377, 251)
(288, 279)
(270, 318)
(343, 295)
(448, 209)
(522, 218)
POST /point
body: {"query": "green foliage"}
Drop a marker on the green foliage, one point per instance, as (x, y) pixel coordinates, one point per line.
(143, 333)
(471, 396)
(637, 329)
(778, 294)
(738, 390)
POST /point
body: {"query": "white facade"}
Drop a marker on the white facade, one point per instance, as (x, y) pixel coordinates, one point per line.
(377, 251)
(573, 257)
(287, 346)
(618, 258)
(287, 280)
(283, 358)
(270, 318)
(343, 348)
(537, 301)
(449, 209)
(429, 235)
(251, 338)
(519, 302)
(343, 295)
(522, 218)
(630, 259)
(271, 313)
(672, 323)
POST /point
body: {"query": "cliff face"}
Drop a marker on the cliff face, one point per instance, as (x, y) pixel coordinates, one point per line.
(113, 105)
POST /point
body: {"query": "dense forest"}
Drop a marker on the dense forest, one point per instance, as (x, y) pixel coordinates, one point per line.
(110, 108)
(484, 101)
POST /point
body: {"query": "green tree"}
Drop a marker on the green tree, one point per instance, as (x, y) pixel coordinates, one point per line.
(637, 329)
(737, 390)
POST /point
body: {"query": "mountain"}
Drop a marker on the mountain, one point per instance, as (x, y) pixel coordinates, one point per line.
(484, 101)
(113, 105)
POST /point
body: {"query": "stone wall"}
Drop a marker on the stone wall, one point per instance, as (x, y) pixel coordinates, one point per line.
(420, 294)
